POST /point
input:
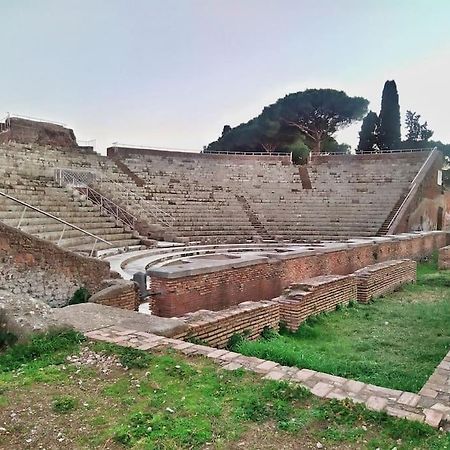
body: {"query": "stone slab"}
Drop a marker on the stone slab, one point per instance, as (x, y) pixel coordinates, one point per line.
(87, 317)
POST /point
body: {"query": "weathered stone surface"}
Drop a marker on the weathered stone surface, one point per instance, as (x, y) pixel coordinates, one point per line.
(91, 316)
(38, 268)
(376, 403)
(21, 314)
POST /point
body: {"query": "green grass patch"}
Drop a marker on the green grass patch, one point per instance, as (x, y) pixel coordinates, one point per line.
(395, 341)
(167, 401)
(64, 404)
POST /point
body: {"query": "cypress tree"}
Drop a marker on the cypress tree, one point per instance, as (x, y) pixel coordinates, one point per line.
(368, 136)
(389, 136)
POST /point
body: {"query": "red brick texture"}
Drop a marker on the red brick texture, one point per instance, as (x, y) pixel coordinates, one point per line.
(314, 296)
(122, 295)
(381, 278)
(216, 328)
(444, 257)
(222, 289)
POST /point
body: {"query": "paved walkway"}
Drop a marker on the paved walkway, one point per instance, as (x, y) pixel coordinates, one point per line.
(431, 405)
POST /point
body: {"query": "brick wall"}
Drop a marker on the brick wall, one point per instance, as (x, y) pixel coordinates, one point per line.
(121, 294)
(216, 328)
(43, 270)
(444, 257)
(222, 289)
(314, 296)
(381, 278)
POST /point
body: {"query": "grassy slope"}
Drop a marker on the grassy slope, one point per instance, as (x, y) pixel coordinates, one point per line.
(167, 401)
(396, 341)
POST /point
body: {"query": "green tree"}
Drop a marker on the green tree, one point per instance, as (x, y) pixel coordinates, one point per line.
(368, 136)
(389, 134)
(319, 113)
(416, 131)
(313, 115)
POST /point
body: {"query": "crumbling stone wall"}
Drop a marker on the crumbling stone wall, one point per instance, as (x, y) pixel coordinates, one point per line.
(24, 131)
(29, 265)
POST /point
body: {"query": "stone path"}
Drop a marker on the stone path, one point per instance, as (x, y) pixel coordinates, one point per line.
(431, 405)
(435, 393)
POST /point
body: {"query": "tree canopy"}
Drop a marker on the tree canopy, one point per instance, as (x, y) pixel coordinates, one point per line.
(319, 113)
(389, 129)
(313, 116)
(416, 131)
(368, 136)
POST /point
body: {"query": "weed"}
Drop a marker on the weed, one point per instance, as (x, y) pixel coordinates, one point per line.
(64, 404)
(49, 348)
(237, 339)
(268, 333)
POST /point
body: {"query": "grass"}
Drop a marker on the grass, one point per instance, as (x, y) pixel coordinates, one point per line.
(167, 401)
(395, 341)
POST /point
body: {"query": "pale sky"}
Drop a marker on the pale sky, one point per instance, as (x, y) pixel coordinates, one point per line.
(171, 73)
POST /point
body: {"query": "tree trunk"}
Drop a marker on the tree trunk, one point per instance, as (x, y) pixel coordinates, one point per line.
(317, 146)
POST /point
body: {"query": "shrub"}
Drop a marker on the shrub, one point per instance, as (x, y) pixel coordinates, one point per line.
(268, 333)
(7, 339)
(237, 339)
(81, 295)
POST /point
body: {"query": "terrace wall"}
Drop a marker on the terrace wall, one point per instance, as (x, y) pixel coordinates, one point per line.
(264, 281)
(126, 152)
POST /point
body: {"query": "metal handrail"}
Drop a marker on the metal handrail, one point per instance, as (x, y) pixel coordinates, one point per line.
(413, 186)
(228, 152)
(108, 205)
(139, 197)
(74, 178)
(377, 152)
(36, 119)
(58, 219)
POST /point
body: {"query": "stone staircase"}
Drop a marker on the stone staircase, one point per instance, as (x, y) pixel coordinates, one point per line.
(68, 206)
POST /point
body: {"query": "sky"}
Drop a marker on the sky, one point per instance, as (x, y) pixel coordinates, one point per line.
(172, 73)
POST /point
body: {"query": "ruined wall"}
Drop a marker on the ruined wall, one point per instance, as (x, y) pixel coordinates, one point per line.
(264, 281)
(378, 279)
(314, 296)
(120, 294)
(43, 270)
(25, 131)
(216, 328)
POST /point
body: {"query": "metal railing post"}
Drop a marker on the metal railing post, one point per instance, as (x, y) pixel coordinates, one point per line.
(62, 234)
(21, 218)
(93, 248)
